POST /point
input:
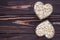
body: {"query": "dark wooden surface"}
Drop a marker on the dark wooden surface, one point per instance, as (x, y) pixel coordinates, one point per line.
(18, 22)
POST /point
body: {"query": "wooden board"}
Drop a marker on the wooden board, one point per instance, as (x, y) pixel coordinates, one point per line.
(22, 12)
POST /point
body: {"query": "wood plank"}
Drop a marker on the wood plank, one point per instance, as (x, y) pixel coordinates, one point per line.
(24, 29)
(27, 36)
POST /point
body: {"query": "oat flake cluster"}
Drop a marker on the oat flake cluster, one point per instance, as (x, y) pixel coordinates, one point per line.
(43, 10)
(45, 29)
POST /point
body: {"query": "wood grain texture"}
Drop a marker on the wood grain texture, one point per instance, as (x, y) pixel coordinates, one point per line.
(18, 20)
